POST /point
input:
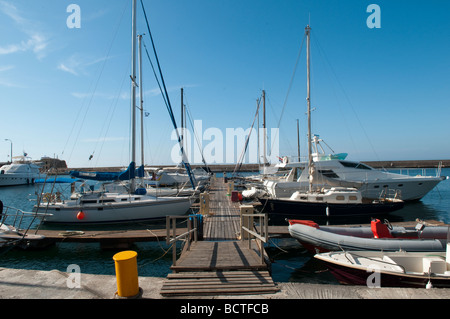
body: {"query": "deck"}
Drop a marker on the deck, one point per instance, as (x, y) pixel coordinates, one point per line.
(221, 263)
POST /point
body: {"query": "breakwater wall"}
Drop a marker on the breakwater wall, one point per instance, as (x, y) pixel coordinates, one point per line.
(219, 168)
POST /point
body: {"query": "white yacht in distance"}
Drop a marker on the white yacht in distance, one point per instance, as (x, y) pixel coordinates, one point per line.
(20, 172)
(371, 182)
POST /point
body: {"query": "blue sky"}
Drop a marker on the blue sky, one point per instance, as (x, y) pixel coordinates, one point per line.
(378, 94)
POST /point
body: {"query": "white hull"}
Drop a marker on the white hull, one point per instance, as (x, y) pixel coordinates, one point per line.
(18, 173)
(146, 208)
(13, 179)
(410, 188)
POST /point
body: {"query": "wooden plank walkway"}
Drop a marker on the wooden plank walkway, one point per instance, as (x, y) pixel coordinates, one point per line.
(120, 238)
(218, 283)
(219, 255)
(224, 221)
(221, 264)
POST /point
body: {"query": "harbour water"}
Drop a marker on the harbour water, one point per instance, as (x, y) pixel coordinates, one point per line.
(290, 261)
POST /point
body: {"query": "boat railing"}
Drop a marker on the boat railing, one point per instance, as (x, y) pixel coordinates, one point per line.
(383, 194)
(390, 193)
(378, 260)
(262, 235)
(172, 238)
(14, 217)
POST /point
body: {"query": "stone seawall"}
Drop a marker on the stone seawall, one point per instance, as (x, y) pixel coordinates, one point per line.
(219, 168)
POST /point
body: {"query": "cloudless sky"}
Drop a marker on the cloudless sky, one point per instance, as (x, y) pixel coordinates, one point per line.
(379, 94)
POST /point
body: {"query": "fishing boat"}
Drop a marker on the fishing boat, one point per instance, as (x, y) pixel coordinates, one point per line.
(102, 206)
(20, 172)
(378, 236)
(389, 269)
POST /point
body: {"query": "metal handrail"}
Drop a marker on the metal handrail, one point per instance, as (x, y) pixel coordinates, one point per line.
(171, 220)
(264, 231)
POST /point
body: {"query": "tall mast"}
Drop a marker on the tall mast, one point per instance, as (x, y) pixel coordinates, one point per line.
(182, 121)
(308, 101)
(264, 126)
(133, 90)
(298, 141)
(141, 99)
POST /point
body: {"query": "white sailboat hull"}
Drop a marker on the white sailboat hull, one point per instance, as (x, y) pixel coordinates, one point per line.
(145, 209)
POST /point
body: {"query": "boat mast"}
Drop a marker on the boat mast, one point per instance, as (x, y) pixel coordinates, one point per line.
(182, 121)
(141, 99)
(308, 101)
(264, 126)
(133, 90)
(298, 141)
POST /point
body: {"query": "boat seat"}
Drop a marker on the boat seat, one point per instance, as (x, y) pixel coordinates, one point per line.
(379, 229)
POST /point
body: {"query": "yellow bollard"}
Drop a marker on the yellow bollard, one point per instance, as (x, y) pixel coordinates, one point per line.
(126, 274)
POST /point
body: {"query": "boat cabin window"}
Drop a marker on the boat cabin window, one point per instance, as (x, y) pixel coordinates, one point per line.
(109, 200)
(328, 173)
(340, 197)
(89, 201)
(355, 165)
(352, 197)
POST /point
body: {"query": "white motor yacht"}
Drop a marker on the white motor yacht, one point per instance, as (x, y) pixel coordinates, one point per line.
(20, 172)
(371, 182)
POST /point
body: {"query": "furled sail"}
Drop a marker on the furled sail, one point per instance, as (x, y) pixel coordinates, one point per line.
(107, 176)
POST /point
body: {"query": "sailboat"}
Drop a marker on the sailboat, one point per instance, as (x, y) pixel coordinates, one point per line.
(103, 206)
(321, 202)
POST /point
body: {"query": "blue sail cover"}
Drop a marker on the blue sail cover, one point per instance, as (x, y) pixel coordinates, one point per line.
(55, 180)
(140, 172)
(107, 176)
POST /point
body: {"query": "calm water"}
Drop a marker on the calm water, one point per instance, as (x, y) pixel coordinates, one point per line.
(290, 261)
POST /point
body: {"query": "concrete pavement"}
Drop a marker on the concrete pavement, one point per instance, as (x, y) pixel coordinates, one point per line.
(54, 284)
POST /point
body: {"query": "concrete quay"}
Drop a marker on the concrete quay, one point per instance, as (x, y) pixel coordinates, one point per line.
(220, 168)
(54, 284)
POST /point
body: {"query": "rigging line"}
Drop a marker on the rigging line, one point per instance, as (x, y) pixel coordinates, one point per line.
(114, 106)
(98, 79)
(154, 73)
(281, 130)
(241, 158)
(107, 56)
(290, 84)
(348, 100)
(169, 107)
(194, 130)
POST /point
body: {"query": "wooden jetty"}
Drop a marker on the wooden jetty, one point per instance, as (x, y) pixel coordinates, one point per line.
(108, 239)
(222, 263)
